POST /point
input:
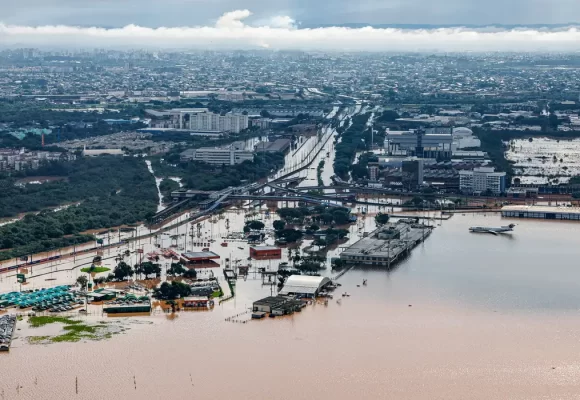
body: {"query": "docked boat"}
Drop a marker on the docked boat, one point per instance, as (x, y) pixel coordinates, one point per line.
(492, 230)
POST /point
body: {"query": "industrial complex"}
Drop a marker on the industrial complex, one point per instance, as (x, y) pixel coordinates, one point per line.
(387, 244)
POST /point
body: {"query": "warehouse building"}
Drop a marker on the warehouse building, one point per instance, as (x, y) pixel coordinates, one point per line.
(279, 145)
(269, 303)
(542, 212)
(304, 286)
(199, 258)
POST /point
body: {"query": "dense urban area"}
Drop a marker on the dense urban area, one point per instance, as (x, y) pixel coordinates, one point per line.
(144, 183)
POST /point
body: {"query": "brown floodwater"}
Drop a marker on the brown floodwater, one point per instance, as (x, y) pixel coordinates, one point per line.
(465, 316)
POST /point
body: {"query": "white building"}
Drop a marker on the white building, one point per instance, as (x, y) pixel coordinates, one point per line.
(206, 121)
(98, 152)
(304, 286)
(218, 156)
(482, 179)
(199, 120)
(464, 138)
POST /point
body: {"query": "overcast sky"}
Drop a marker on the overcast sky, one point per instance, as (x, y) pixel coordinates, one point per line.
(156, 13)
(290, 24)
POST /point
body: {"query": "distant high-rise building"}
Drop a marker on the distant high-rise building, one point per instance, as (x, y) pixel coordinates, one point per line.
(412, 170)
(203, 120)
(481, 180)
(373, 172)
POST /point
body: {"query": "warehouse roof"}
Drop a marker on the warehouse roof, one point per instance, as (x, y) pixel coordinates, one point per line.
(199, 255)
(542, 209)
(304, 284)
(264, 248)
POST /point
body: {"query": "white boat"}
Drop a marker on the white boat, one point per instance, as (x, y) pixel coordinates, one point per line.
(493, 231)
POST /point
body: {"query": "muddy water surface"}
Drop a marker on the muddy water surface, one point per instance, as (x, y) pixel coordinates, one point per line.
(466, 316)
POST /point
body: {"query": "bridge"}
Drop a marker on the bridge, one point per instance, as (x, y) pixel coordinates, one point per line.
(163, 214)
(305, 199)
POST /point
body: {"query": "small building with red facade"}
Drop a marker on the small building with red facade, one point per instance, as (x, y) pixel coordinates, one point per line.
(265, 252)
(200, 259)
(197, 302)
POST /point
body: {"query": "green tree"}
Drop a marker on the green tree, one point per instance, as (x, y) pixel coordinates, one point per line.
(82, 282)
(341, 217)
(190, 274)
(150, 268)
(122, 271)
(381, 218)
(255, 225)
(279, 225)
(172, 291)
(290, 235)
(327, 218)
(176, 269)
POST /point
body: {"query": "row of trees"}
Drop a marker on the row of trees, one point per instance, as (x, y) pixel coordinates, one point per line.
(351, 142)
(147, 270)
(319, 214)
(201, 176)
(330, 236)
(172, 291)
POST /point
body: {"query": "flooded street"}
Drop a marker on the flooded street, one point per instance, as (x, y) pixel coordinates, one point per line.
(465, 316)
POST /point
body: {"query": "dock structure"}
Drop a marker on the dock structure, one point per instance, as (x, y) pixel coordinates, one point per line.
(386, 245)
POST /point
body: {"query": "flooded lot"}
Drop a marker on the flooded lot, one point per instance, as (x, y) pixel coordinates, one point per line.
(467, 316)
(545, 160)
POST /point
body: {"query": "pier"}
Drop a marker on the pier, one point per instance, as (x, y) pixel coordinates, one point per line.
(386, 245)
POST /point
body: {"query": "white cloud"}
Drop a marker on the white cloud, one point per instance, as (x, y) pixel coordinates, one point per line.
(230, 32)
(284, 22)
(233, 19)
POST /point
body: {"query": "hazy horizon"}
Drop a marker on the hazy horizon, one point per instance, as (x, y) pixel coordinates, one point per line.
(233, 30)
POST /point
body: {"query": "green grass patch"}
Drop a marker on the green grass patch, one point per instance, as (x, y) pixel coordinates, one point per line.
(37, 339)
(217, 293)
(76, 333)
(96, 270)
(80, 329)
(38, 321)
(74, 330)
(67, 337)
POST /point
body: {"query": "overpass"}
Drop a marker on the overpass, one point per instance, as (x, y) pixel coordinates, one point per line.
(305, 199)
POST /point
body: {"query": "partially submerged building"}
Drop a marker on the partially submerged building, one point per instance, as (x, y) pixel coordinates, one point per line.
(304, 285)
(387, 244)
(199, 259)
(541, 212)
(265, 252)
(275, 306)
